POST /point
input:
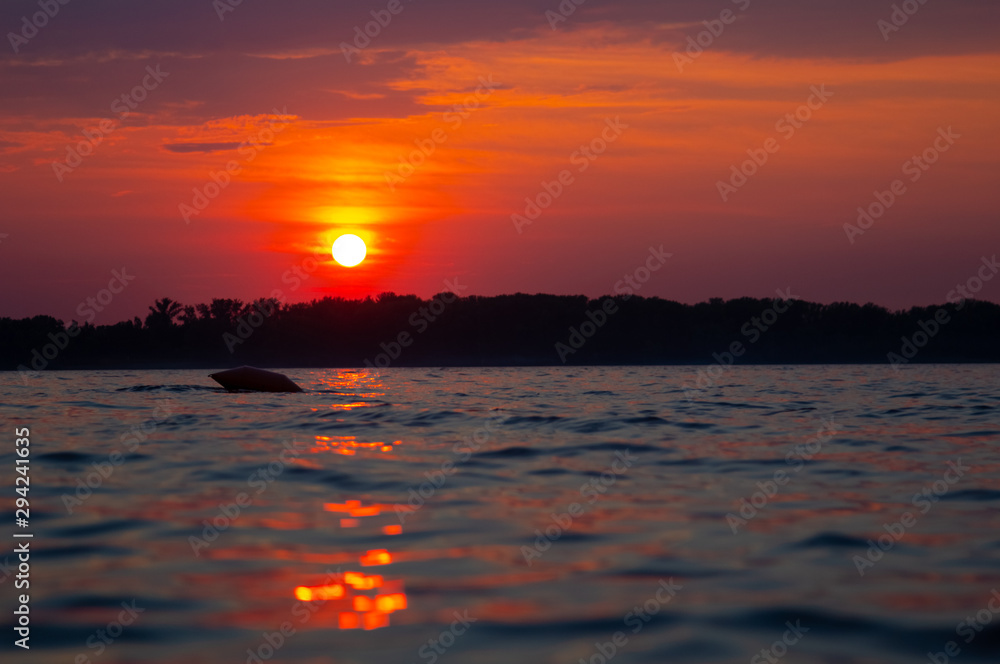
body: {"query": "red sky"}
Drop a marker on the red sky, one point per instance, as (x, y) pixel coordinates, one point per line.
(345, 125)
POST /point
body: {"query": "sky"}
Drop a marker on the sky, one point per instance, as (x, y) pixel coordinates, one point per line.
(204, 149)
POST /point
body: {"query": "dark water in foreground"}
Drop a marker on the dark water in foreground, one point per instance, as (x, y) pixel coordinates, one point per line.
(581, 513)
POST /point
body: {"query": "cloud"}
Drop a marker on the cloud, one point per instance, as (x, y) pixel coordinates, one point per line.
(262, 55)
(184, 148)
(308, 28)
(358, 95)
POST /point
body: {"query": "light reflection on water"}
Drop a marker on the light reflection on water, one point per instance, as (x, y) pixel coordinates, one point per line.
(355, 607)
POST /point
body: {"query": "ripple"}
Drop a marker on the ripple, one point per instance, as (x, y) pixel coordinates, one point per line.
(509, 452)
(974, 495)
(81, 551)
(100, 528)
(171, 388)
(71, 457)
(829, 540)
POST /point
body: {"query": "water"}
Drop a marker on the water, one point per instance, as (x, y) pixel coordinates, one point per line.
(608, 481)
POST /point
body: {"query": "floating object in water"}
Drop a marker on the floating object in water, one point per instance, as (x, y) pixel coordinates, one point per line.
(258, 380)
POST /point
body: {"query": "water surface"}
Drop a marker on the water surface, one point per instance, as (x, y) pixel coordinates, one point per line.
(498, 515)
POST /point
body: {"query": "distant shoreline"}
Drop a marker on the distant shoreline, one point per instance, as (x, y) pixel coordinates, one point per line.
(507, 331)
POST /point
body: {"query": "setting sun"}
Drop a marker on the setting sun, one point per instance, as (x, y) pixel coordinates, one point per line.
(349, 250)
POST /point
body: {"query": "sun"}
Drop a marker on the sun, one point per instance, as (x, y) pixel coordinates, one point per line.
(349, 250)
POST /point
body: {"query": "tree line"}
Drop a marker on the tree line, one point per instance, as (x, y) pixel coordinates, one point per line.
(518, 329)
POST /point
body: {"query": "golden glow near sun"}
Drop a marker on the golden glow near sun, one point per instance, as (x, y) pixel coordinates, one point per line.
(349, 250)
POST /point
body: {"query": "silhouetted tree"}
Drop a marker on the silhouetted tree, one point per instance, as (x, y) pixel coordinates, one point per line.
(163, 312)
(189, 315)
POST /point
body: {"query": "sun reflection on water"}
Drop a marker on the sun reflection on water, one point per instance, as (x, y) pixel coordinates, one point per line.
(349, 445)
(361, 600)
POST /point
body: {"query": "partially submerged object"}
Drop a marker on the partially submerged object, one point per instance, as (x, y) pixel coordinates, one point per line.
(252, 378)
